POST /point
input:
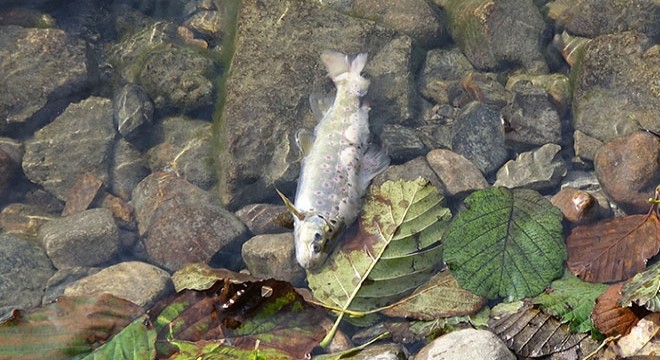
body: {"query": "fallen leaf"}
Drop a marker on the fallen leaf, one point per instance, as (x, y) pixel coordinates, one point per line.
(531, 333)
(440, 297)
(73, 325)
(609, 317)
(199, 276)
(643, 339)
(615, 249)
(508, 243)
(135, 341)
(643, 289)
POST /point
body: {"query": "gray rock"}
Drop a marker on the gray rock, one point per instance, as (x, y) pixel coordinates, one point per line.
(556, 85)
(275, 75)
(23, 220)
(77, 142)
(493, 35)
(582, 180)
(415, 18)
(137, 282)
(410, 170)
(585, 146)
(24, 271)
(614, 95)
(128, 169)
(181, 223)
(62, 278)
(479, 137)
(13, 148)
(132, 111)
(531, 118)
(8, 170)
(457, 174)
(540, 169)
(273, 256)
(388, 351)
(263, 218)
(591, 18)
(88, 238)
(442, 70)
(466, 344)
(485, 88)
(41, 68)
(401, 143)
(187, 150)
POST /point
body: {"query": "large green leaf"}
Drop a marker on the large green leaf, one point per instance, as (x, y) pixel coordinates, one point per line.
(136, 341)
(396, 249)
(572, 300)
(508, 243)
(643, 289)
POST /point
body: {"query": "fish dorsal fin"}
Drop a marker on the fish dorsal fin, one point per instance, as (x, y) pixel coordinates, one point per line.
(304, 140)
(295, 212)
(321, 104)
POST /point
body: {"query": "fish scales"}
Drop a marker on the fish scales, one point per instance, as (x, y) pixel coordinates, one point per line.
(339, 162)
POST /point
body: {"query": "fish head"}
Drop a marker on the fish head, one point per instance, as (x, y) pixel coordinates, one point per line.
(313, 236)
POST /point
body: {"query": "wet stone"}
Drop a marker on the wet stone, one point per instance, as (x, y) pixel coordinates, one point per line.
(415, 18)
(8, 169)
(140, 283)
(485, 88)
(186, 150)
(585, 146)
(23, 220)
(62, 278)
(495, 35)
(479, 137)
(77, 142)
(410, 170)
(88, 238)
(457, 173)
(24, 271)
(82, 193)
(122, 211)
(388, 351)
(556, 85)
(540, 169)
(132, 111)
(273, 256)
(128, 169)
(181, 224)
(628, 169)
(262, 218)
(531, 118)
(41, 68)
(209, 23)
(466, 344)
(442, 71)
(579, 207)
(401, 143)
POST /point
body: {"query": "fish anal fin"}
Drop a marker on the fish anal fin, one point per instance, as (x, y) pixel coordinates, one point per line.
(374, 162)
(304, 140)
(321, 104)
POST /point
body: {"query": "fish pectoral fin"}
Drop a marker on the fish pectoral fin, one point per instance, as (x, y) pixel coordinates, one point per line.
(374, 162)
(321, 104)
(295, 212)
(304, 140)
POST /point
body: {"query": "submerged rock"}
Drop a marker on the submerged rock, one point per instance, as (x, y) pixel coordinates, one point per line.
(540, 169)
(457, 174)
(466, 344)
(263, 218)
(77, 142)
(273, 256)
(132, 111)
(440, 76)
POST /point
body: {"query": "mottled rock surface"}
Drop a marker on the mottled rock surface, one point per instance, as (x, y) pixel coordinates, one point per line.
(128, 169)
(442, 71)
(389, 351)
(24, 271)
(466, 344)
(263, 218)
(457, 174)
(540, 169)
(485, 88)
(132, 111)
(273, 256)
(62, 278)
(137, 282)
(410, 170)
(77, 142)
(479, 137)
(23, 219)
(181, 223)
(257, 139)
(401, 143)
(88, 238)
(628, 169)
(40, 67)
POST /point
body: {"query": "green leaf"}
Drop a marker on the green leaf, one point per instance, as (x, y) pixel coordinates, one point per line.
(136, 341)
(71, 326)
(508, 243)
(572, 300)
(643, 289)
(216, 350)
(440, 297)
(396, 249)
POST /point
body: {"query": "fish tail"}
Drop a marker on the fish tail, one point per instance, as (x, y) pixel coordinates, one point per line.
(341, 69)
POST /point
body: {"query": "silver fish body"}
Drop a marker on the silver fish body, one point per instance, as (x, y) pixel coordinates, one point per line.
(339, 163)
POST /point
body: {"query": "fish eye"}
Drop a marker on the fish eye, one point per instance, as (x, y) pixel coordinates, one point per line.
(316, 248)
(317, 237)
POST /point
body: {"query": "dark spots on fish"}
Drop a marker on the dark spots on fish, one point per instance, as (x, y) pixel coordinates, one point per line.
(328, 157)
(318, 193)
(336, 208)
(320, 202)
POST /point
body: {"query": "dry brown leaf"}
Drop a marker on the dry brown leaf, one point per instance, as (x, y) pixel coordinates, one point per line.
(643, 340)
(609, 317)
(615, 249)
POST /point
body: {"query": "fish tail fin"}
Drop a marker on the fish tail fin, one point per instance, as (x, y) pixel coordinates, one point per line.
(374, 162)
(341, 68)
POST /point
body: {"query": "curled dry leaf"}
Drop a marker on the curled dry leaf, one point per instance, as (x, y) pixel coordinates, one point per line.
(609, 317)
(643, 339)
(615, 249)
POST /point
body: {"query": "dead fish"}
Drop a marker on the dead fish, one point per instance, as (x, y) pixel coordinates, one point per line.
(339, 162)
